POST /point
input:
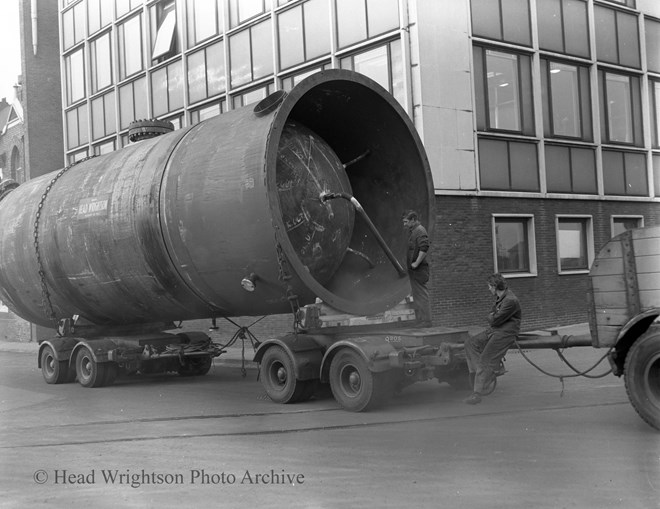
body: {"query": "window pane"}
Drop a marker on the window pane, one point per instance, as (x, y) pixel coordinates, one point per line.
(565, 100)
(130, 47)
(512, 245)
(239, 55)
(654, 102)
(620, 120)
(290, 29)
(572, 244)
(202, 20)
(583, 169)
(558, 169)
(72, 128)
(242, 10)
(515, 21)
(652, 29)
(374, 65)
(613, 173)
(486, 19)
(317, 29)
(93, 15)
(550, 25)
(98, 124)
(494, 164)
(215, 68)
(606, 44)
(576, 28)
(503, 93)
(68, 30)
(175, 85)
(628, 38)
(159, 91)
(396, 63)
(75, 76)
(262, 52)
(351, 22)
(524, 167)
(197, 76)
(126, 108)
(636, 180)
(165, 36)
(383, 15)
(101, 63)
(656, 175)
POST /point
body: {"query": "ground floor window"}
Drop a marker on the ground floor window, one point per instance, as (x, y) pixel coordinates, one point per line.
(574, 243)
(621, 224)
(514, 245)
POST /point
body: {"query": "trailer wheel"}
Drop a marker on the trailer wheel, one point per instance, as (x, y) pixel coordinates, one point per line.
(353, 385)
(642, 377)
(278, 377)
(89, 372)
(196, 366)
(54, 371)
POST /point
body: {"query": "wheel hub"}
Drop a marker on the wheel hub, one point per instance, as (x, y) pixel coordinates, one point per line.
(281, 375)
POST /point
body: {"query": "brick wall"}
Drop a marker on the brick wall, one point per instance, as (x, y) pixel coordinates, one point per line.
(462, 258)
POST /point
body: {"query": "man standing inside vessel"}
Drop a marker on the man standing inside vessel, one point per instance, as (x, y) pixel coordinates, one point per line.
(418, 266)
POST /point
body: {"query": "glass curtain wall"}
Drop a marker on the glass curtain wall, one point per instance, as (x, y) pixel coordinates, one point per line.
(188, 60)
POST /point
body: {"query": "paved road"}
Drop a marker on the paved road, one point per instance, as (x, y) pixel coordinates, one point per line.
(217, 441)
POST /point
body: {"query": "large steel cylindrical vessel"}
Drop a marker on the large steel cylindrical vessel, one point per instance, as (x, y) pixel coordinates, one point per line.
(166, 229)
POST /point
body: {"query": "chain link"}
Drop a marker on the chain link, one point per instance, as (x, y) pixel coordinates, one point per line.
(46, 302)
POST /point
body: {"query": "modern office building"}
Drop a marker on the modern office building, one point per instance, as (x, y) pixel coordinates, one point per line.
(540, 117)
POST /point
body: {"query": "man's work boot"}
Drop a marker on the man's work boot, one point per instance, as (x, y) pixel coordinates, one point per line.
(474, 399)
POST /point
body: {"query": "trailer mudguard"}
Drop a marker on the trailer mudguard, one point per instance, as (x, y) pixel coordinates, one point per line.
(305, 351)
(62, 348)
(100, 348)
(628, 334)
(375, 350)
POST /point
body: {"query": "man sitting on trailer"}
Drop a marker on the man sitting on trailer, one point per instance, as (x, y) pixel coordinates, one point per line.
(484, 352)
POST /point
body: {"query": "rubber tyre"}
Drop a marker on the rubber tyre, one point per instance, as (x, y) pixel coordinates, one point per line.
(642, 377)
(89, 372)
(278, 377)
(54, 371)
(353, 385)
(196, 366)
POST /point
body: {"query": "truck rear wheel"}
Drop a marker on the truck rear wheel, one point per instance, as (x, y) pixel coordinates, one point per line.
(89, 372)
(353, 385)
(278, 377)
(54, 371)
(642, 377)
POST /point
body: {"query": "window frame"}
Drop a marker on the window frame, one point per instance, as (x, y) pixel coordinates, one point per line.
(122, 49)
(525, 94)
(501, 17)
(588, 220)
(191, 10)
(584, 111)
(635, 105)
(620, 40)
(164, 26)
(96, 58)
(529, 225)
(614, 217)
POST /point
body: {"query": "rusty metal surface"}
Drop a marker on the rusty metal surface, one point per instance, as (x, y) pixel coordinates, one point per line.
(165, 229)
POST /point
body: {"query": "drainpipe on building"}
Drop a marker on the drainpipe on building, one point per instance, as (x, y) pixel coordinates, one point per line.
(33, 9)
